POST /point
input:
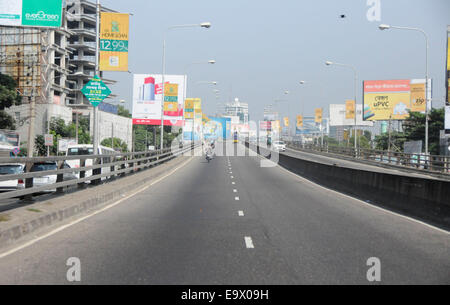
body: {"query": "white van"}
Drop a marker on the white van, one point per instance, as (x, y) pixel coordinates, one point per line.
(85, 150)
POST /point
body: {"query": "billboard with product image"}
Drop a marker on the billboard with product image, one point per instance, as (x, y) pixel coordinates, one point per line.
(393, 99)
(147, 99)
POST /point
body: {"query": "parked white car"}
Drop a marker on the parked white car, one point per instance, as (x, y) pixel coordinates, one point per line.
(279, 146)
(49, 179)
(87, 150)
(11, 169)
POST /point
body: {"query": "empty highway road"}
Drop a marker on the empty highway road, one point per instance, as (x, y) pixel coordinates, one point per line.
(232, 222)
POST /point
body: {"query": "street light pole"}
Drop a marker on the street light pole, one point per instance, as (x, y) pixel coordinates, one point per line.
(203, 25)
(329, 63)
(97, 47)
(387, 27)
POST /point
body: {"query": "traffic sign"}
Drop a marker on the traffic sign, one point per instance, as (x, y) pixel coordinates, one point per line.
(48, 139)
(96, 91)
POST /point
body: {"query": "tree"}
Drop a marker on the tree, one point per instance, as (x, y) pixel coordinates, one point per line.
(8, 97)
(59, 129)
(122, 111)
(143, 132)
(118, 144)
(414, 128)
(397, 140)
(7, 121)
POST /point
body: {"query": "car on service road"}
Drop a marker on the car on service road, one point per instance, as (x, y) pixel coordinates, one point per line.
(50, 179)
(11, 169)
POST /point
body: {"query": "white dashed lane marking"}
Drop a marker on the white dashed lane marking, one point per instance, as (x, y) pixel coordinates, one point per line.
(241, 213)
(249, 243)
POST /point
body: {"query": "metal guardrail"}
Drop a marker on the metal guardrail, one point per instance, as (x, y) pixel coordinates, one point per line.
(430, 163)
(118, 165)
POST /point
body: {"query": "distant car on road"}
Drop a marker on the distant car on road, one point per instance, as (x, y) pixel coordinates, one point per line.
(279, 145)
(11, 169)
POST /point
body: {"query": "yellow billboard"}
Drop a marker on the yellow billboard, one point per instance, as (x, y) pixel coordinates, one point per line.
(276, 126)
(418, 97)
(393, 99)
(318, 115)
(189, 105)
(349, 109)
(448, 66)
(171, 90)
(114, 32)
(299, 121)
(286, 122)
(189, 115)
(392, 106)
(170, 106)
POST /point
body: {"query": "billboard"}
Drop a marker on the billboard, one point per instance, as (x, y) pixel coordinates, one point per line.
(32, 13)
(447, 78)
(310, 127)
(448, 66)
(265, 125)
(350, 110)
(393, 99)
(299, 121)
(319, 115)
(338, 116)
(147, 99)
(114, 32)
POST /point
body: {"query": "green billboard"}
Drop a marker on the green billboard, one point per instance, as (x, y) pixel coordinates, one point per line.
(32, 13)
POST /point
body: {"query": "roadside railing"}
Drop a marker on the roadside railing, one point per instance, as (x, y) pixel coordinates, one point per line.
(103, 167)
(430, 163)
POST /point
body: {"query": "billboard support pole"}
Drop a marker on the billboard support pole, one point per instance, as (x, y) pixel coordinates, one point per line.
(386, 27)
(95, 127)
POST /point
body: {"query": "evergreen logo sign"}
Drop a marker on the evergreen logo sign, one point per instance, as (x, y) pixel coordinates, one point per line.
(33, 13)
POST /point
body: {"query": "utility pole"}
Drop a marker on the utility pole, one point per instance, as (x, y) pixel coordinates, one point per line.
(31, 130)
(97, 47)
(76, 128)
(112, 135)
(48, 132)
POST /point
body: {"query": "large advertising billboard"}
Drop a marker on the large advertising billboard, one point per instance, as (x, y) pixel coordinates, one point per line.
(393, 99)
(32, 13)
(339, 116)
(447, 78)
(311, 128)
(114, 32)
(448, 66)
(147, 99)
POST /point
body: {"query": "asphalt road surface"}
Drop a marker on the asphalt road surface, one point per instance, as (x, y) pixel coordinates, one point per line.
(232, 222)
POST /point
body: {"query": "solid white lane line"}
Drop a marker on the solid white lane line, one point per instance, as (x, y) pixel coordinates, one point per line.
(241, 213)
(249, 242)
(2, 255)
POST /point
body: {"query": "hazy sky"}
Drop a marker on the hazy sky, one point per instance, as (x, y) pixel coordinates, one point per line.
(265, 47)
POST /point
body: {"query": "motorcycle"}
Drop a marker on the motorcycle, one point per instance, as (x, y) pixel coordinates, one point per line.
(209, 157)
